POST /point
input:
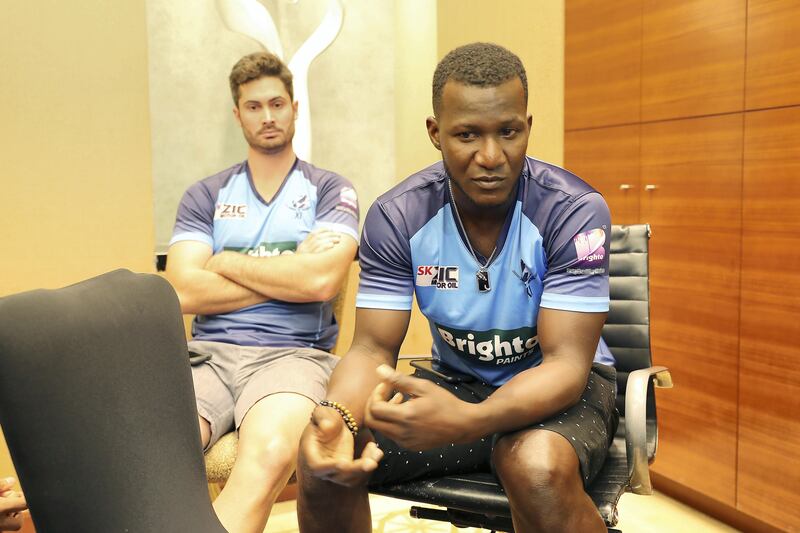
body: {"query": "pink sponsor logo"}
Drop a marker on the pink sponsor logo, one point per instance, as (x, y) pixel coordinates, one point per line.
(589, 247)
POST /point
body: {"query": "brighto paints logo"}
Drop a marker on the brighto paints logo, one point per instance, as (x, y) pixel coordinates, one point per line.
(492, 347)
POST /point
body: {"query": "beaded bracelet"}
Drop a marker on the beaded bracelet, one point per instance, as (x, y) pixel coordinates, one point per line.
(349, 421)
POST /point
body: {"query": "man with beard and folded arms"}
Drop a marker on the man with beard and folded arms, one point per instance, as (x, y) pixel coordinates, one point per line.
(258, 252)
(508, 259)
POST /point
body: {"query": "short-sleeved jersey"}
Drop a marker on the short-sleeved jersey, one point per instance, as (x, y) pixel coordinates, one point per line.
(552, 252)
(226, 212)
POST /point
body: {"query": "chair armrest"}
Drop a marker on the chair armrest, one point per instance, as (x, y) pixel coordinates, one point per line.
(414, 357)
(636, 426)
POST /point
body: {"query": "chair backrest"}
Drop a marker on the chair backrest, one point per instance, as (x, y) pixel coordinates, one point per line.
(98, 410)
(627, 328)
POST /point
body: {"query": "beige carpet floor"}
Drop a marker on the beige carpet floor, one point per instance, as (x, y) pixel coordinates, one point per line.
(638, 514)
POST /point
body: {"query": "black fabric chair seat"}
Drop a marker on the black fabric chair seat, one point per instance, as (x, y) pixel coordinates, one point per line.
(98, 410)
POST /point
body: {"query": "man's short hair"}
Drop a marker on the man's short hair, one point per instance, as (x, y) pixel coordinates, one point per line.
(258, 65)
(479, 64)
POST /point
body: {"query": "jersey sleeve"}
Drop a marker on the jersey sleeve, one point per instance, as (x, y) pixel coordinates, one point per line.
(337, 206)
(577, 258)
(195, 218)
(385, 258)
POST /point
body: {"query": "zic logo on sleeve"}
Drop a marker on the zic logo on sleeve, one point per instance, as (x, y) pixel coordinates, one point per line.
(230, 211)
(441, 277)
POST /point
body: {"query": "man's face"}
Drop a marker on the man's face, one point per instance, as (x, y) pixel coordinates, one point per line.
(482, 133)
(266, 113)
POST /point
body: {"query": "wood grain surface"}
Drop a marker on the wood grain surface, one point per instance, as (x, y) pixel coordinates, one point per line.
(773, 53)
(608, 158)
(695, 214)
(769, 426)
(602, 63)
(693, 54)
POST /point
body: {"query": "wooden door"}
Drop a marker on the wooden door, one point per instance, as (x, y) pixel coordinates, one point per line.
(608, 159)
(602, 63)
(691, 176)
(693, 55)
(773, 53)
(769, 421)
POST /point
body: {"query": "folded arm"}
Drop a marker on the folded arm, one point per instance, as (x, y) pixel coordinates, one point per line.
(202, 291)
(299, 277)
(212, 284)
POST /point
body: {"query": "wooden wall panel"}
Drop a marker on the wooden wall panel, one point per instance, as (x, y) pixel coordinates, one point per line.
(769, 428)
(694, 311)
(693, 54)
(773, 53)
(696, 166)
(695, 260)
(772, 171)
(602, 63)
(608, 158)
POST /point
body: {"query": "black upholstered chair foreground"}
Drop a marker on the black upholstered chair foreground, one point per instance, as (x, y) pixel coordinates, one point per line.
(98, 410)
(476, 500)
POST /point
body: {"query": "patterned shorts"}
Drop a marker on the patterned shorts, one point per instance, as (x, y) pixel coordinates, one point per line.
(589, 426)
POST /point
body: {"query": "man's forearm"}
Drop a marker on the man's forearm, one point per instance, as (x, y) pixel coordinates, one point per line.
(291, 277)
(531, 396)
(202, 292)
(355, 378)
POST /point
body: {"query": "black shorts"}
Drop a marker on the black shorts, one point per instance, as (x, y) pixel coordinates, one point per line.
(588, 425)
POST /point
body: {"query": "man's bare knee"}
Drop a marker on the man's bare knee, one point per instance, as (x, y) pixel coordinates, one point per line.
(205, 431)
(271, 456)
(539, 464)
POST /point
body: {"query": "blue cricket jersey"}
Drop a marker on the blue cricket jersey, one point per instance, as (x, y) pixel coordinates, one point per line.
(226, 212)
(552, 252)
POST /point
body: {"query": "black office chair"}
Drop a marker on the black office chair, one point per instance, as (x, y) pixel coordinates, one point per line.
(477, 500)
(98, 409)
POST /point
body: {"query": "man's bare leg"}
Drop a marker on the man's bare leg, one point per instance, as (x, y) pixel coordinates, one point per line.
(266, 458)
(540, 473)
(205, 431)
(323, 506)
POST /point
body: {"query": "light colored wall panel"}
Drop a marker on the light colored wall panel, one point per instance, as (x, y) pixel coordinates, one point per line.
(76, 182)
(534, 30)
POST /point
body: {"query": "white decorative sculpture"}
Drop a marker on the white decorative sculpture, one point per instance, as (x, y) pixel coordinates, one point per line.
(251, 18)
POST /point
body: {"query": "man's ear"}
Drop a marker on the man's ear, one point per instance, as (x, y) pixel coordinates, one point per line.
(433, 132)
(236, 115)
(295, 106)
(530, 121)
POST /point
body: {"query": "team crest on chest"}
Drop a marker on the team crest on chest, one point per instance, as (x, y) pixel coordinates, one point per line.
(300, 204)
(526, 276)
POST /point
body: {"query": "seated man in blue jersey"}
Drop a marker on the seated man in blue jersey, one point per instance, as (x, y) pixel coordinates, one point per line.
(257, 253)
(508, 259)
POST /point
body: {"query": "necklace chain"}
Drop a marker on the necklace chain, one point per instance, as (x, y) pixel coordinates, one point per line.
(482, 268)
